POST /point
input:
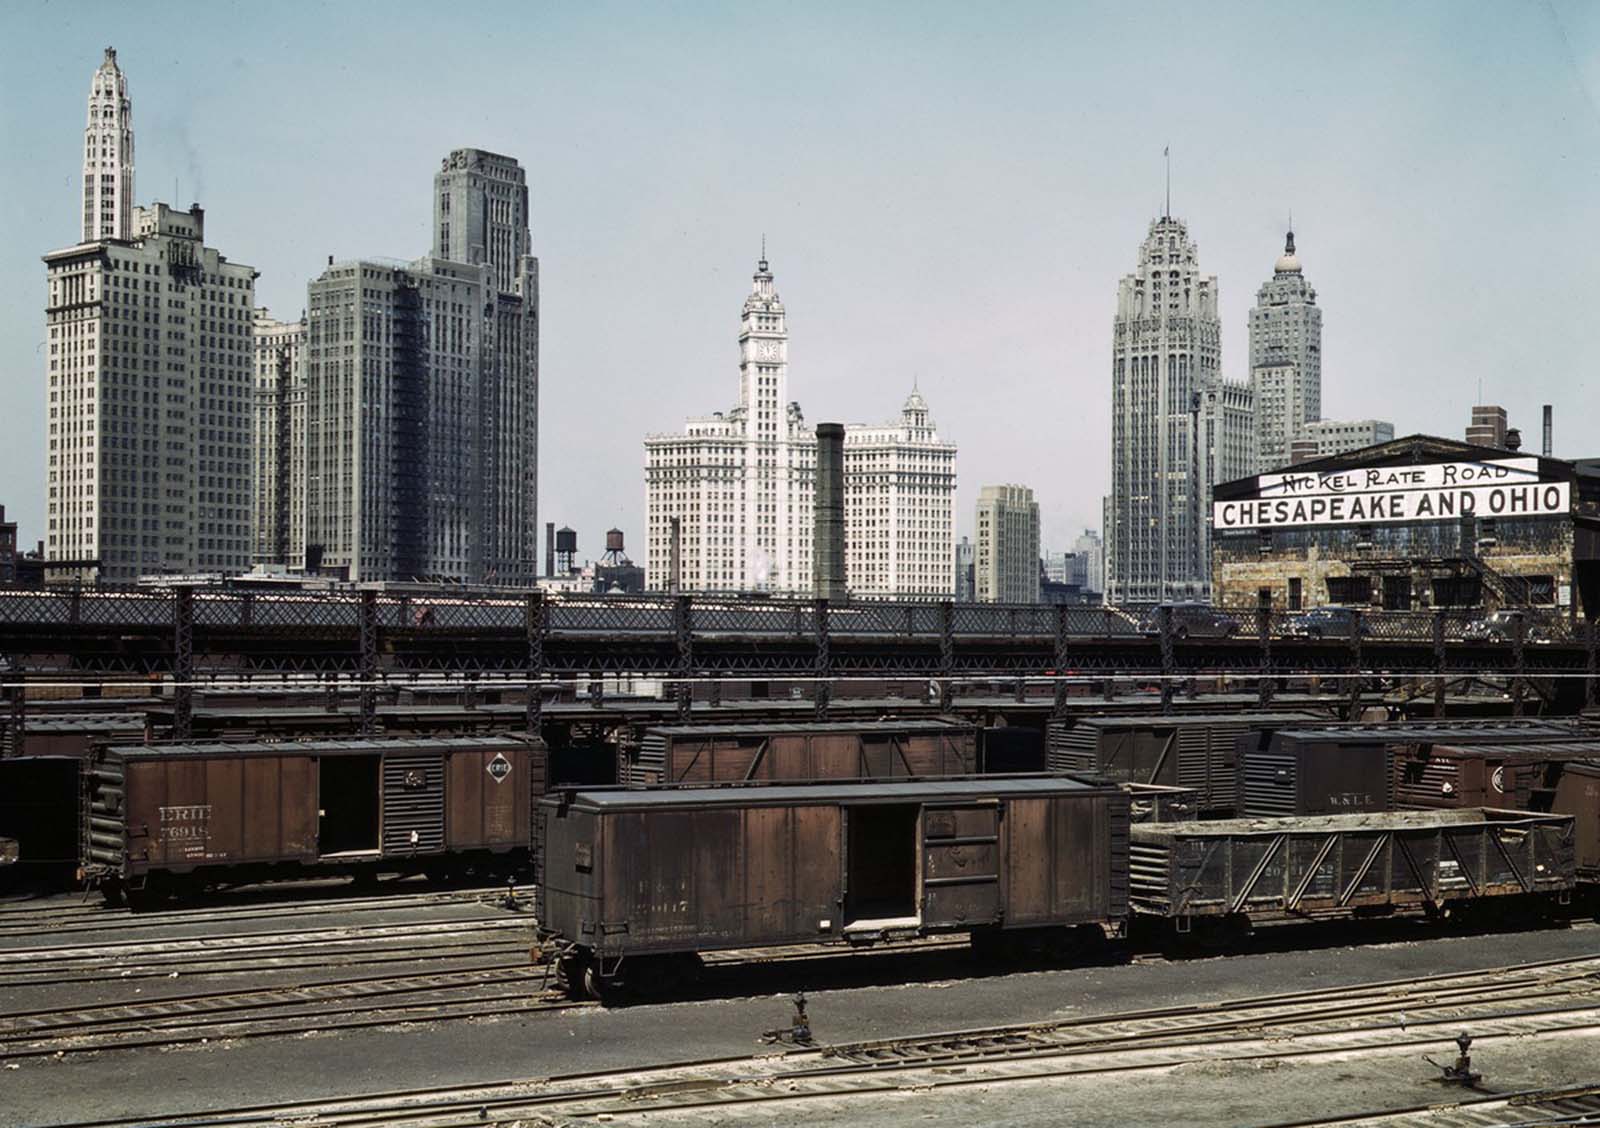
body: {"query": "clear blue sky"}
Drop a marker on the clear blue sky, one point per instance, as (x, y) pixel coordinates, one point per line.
(949, 191)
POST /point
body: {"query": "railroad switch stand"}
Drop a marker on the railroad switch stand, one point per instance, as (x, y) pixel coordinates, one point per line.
(1460, 1072)
(798, 1032)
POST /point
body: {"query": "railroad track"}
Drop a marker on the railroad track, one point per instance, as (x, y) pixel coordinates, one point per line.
(1519, 1001)
(492, 990)
(1542, 1107)
(73, 917)
(251, 952)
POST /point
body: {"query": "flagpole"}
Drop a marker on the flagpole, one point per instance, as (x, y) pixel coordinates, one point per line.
(1167, 153)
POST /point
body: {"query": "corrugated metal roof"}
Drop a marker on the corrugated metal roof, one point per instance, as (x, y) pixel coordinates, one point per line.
(845, 791)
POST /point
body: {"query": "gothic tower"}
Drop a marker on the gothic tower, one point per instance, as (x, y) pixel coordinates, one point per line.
(108, 156)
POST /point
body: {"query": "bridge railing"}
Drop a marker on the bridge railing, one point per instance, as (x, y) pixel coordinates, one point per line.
(314, 612)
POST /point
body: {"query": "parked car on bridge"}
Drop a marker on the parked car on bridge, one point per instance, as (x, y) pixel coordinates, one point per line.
(1331, 621)
(1501, 626)
(1191, 620)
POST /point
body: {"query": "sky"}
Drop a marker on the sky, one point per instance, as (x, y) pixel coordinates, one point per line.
(949, 194)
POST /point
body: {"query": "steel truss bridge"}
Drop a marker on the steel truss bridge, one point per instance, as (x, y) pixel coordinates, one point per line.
(370, 636)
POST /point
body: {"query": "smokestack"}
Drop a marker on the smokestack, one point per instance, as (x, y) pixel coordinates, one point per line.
(549, 548)
(827, 541)
(1549, 449)
(675, 557)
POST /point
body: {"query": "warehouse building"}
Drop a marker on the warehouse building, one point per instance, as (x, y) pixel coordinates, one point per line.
(1413, 524)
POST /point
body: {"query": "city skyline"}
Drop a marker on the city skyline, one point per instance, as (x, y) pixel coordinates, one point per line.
(998, 259)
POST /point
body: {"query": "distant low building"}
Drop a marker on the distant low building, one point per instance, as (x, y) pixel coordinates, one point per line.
(1327, 437)
(965, 584)
(1488, 426)
(1006, 562)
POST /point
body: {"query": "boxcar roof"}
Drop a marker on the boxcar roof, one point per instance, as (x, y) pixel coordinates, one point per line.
(846, 791)
(1470, 732)
(756, 728)
(1546, 750)
(215, 749)
(1325, 824)
(1148, 721)
(83, 722)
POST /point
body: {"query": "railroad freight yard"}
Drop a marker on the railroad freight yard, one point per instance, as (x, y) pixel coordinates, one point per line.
(1153, 891)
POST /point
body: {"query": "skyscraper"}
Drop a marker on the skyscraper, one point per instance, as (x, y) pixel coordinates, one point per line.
(108, 155)
(1093, 550)
(278, 463)
(150, 402)
(1006, 560)
(422, 396)
(148, 378)
(1285, 359)
(481, 218)
(1177, 426)
(900, 505)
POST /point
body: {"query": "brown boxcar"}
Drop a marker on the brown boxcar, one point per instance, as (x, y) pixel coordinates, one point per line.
(1187, 751)
(240, 811)
(1328, 769)
(1342, 863)
(699, 754)
(631, 878)
(1559, 776)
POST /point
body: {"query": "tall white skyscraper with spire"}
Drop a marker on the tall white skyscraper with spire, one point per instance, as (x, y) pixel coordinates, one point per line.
(1285, 360)
(740, 485)
(108, 155)
(148, 378)
(1177, 427)
(739, 482)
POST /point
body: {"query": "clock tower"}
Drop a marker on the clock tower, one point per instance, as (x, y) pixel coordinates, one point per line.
(764, 357)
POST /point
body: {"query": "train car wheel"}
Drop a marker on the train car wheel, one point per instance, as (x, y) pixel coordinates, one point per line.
(113, 893)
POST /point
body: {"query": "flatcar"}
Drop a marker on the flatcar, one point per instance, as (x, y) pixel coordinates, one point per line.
(691, 754)
(633, 884)
(185, 815)
(1197, 751)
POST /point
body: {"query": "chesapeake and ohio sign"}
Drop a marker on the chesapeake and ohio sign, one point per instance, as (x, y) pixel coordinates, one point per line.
(1387, 494)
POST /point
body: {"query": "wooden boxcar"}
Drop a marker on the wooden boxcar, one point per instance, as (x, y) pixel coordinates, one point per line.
(232, 812)
(1342, 863)
(1187, 751)
(691, 754)
(632, 881)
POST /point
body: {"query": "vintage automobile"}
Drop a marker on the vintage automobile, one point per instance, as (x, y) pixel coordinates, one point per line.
(1332, 621)
(1190, 620)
